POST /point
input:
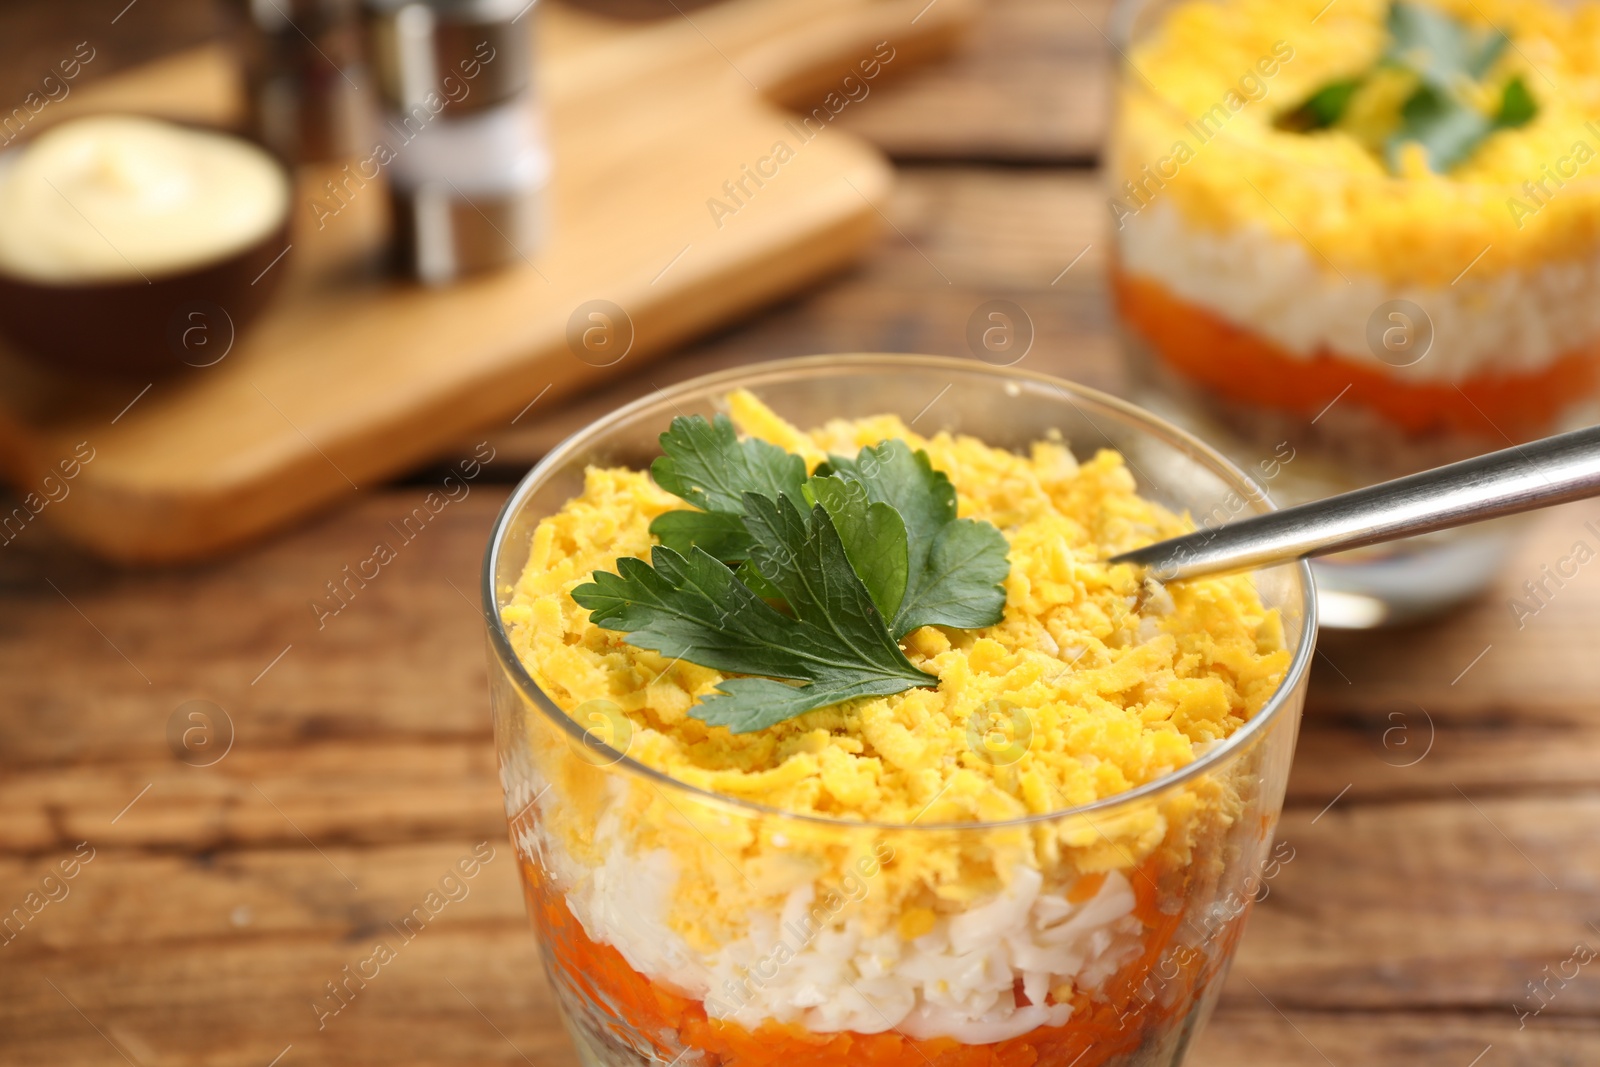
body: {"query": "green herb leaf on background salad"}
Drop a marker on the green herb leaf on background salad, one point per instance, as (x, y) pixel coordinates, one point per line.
(1419, 92)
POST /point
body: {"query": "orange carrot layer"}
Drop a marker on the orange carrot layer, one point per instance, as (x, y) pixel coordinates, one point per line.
(1143, 1002)
(1237, 363)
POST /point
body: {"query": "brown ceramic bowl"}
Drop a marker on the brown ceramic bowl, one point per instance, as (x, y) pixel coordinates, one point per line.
(139, 328)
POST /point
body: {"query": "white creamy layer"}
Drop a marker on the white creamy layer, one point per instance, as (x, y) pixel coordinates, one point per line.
(956, 981)
(1513, 323)
(121, 198)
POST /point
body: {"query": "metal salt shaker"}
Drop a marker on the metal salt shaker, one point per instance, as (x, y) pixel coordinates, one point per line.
(468, 163)
(302, 64)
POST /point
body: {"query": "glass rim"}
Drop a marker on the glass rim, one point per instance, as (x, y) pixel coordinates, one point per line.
(1119, 34)
(1234, 477)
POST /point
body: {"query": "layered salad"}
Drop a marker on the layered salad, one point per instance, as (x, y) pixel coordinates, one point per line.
(1367, 225)
(839, 700)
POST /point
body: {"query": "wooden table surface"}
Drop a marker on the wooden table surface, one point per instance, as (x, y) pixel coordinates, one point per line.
(1444, 809)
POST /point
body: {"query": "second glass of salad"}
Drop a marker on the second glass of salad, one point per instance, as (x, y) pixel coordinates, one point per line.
(1358, 239)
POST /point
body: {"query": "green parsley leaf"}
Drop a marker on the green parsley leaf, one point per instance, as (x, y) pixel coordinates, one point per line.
(954, 566)
(959, 584)
(1322, 108)
(746, 572)
(1517, 105)
(695, 608)
(691, 607)
(1489, 50)
(1448, 129)
(719, 533)
(874, 538)
(1440, 48)
(745, 705)
(755, 584)
(1445, 55)
(707, 465)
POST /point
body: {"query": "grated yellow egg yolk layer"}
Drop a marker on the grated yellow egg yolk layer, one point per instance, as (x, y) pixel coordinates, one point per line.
(1118, 681)
(1197, 128)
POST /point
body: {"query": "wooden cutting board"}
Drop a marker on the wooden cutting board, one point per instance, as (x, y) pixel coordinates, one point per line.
(352, 376)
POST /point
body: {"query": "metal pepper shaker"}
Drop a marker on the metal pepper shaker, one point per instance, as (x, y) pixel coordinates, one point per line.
(468, 160)
(303, 71)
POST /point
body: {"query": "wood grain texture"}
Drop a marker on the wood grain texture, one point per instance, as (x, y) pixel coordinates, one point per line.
(351, 377)
(1419, 903)
(1029, 86)
(1442, 807)
(1331, 933)
(38, 35)
(1442, 1039)
(957, 238)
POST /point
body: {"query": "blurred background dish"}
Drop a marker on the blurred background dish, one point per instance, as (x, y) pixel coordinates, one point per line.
(1359, 235)
(114, 228)
(682, 194)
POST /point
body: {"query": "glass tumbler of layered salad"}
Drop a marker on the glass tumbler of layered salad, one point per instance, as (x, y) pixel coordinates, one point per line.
(828, 736)
(1354, 240)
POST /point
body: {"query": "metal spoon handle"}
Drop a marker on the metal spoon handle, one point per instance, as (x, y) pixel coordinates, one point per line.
(1549, 471)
